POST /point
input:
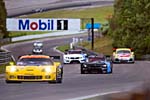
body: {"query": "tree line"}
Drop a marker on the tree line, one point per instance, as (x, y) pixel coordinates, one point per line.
(3, 16)
(130, 25)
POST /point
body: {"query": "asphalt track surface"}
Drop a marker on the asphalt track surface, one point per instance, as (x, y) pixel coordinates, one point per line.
(23, 7)
(125, 77)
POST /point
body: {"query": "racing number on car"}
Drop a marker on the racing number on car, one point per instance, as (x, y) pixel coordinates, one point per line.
(62, 24)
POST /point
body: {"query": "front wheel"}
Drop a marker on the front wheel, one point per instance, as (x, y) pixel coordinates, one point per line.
(59, 80)
(82, 71)
(59, 76)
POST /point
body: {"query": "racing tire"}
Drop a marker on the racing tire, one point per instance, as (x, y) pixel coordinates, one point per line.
(58, 80)
(133, 62)
(82, 71)
(64, 63)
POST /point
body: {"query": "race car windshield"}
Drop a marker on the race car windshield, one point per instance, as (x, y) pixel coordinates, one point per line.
(38, 44)
(34, 62)
(97, 61)
(75, 52)
(123, 52)
(37, 47)
(93, 59)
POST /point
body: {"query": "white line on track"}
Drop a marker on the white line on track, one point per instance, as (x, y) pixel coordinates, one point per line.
(94, 95)
(148, 61)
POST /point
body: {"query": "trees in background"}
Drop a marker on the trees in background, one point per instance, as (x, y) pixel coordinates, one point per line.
(3, 16)
(130, 25)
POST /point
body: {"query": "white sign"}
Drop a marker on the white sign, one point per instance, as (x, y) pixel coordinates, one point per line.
(42, 24)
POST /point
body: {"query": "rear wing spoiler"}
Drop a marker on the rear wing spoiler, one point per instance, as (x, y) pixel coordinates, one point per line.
(114, 49)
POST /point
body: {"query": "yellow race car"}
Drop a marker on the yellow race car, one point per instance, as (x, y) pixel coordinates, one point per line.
(34, 68)
(123, 55)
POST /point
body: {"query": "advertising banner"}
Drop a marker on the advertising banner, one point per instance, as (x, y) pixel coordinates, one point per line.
(42, 24)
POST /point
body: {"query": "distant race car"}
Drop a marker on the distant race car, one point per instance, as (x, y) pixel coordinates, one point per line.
(123, 55)
(37, 47)
(34, 68)
(74, 56)
(98, 64)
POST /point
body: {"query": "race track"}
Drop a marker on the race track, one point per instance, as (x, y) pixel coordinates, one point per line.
(23, 7)
(124, 77)
(75, 85)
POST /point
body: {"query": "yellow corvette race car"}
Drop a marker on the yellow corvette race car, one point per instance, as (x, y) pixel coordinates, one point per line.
(123, 55)
(34, 68)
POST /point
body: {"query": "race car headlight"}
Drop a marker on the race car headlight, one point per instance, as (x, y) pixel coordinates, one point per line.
(104, 65)
(67, 57)
(47, 69)
(85, 65)
(13, 69)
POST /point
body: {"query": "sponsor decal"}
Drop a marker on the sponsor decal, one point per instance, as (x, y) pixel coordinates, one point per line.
(36, 25)
(42, 24)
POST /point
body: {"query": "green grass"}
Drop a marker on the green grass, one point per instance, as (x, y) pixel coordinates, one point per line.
(101, 45)
(63, 47)
(98, 13)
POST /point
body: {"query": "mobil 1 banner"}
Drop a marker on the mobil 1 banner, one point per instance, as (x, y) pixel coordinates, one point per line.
(42, 24)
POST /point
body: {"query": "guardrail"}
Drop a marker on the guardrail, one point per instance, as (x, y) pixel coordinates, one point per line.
(5, 57)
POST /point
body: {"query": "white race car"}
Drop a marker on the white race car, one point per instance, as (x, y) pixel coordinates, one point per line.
(37, 47)
(123, 55)
(74, 56)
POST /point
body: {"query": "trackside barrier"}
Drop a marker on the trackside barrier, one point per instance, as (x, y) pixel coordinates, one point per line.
(5, 57)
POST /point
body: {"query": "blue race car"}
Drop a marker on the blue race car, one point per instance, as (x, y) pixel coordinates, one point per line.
(95, 63)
